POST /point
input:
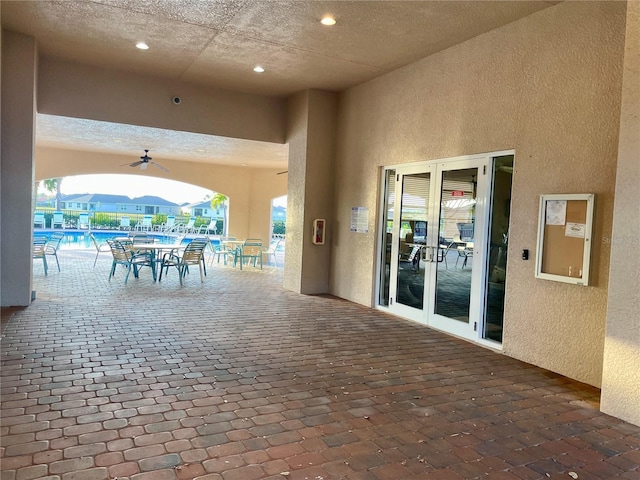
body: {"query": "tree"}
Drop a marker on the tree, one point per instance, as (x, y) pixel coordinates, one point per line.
(53, 185)
(219, 201)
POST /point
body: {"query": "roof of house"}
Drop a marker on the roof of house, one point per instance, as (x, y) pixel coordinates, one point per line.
(122, 199)
(95, 198)
(153, 200)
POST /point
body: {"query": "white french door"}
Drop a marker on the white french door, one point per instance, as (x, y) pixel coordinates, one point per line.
(432, 256)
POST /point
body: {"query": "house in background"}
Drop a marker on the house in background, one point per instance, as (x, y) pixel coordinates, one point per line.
(203, 209)
(118, 204)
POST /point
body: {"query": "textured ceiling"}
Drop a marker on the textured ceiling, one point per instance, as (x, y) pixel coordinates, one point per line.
(218, 42)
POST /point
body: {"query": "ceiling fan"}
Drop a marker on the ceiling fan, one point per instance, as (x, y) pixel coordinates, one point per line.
(144, 162)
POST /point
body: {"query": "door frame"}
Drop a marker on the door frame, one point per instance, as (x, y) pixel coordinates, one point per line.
(481, 241)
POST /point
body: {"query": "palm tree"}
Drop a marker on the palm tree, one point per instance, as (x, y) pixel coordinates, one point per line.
(220, 201)
(53, 185)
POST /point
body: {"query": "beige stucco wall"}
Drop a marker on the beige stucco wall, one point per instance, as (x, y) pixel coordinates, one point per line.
(311, 138)
(80, 91)
(547, 86)
(19, 72)
(250, 191)
(621, 369)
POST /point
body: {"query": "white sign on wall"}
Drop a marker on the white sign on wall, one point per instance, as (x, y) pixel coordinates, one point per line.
(359, 219)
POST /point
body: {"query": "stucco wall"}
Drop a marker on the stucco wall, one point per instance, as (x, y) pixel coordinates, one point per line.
(80, 91)
(19, 71)
(250, 191)
(621, 371)
(547, 86)
(311, 139)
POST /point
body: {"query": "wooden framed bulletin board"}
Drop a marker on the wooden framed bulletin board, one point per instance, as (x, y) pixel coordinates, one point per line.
(565, 223)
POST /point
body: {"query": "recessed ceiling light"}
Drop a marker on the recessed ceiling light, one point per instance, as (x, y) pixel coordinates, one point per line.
(328, 20)
(142, 46)
(117, 140)
(244, 164)
(258, 69)
(200, 150)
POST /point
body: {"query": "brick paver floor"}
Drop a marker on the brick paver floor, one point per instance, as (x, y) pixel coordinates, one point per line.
(238, 379)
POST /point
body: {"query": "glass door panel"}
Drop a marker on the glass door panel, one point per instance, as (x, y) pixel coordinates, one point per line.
(456, 243)
(387, 235)
(411, 239)
(498, 242)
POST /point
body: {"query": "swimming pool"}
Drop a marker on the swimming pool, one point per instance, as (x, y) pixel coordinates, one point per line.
(78, 240)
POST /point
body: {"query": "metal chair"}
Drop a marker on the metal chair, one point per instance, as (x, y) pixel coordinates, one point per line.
(125, 223)
(100, 247)
(58, 219)
(212, 228)
(193, 255)
(145, 224)
(251, 250)
(38, 220)
(465, 250)
(52, 246)
(39, 250)
(83, 221)
(271, 250)
(222, 249)
(123, 255)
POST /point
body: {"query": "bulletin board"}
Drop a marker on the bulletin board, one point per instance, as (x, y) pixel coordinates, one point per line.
(564, 237)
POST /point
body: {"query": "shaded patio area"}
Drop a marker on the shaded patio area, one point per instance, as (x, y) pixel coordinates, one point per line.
(238, 379)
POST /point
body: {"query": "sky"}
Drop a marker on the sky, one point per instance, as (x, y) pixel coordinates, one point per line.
(138, 186)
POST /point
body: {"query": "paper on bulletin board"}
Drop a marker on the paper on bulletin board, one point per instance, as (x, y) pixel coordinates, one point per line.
(575, 230)
(359, 219)
(556, 212)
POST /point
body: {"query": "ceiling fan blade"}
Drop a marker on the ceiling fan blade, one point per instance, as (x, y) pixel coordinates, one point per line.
(159, 166)
(280, 173)
(134, 164)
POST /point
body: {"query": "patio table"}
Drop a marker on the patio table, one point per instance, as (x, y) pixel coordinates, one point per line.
(157, 249)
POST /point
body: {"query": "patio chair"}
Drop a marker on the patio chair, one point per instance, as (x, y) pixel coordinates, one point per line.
(223, 250)
(189, 227)
(212, 228)
(466, 231)
(39, 250)
(193, 254)
(123, 255)
(38, 220)
(145, 224)
(58, 219)
(125, 223)
(100, 247)
(52, 246)
(251, 250)
(465, 250)
(83, 221)
(169, 225)
(271, 250)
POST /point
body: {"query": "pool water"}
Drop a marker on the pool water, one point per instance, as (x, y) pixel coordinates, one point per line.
(74, 240)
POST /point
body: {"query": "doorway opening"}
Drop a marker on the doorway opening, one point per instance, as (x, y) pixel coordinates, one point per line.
(444, 233)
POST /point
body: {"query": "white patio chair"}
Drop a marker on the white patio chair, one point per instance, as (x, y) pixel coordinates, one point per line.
(38, 220)
(125, 223)
(58, 219)
(83, 221)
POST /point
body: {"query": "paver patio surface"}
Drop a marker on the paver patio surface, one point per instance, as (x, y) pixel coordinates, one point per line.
(238, 379)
